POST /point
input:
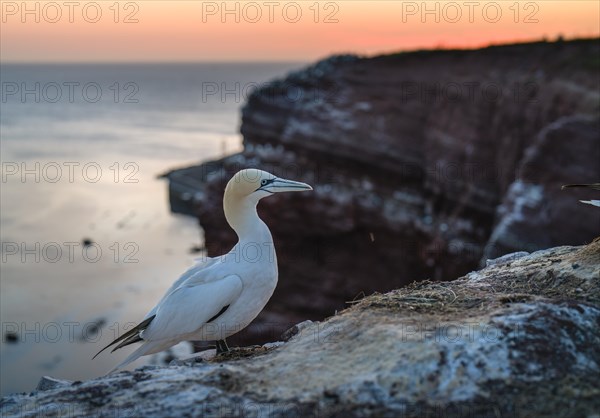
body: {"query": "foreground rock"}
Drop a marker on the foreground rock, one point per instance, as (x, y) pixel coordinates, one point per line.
(424, 164)
(519, 338)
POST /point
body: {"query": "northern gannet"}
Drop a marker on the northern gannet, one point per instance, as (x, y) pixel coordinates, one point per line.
(218, 297)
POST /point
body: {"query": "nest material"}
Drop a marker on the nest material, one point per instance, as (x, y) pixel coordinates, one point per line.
(564, 274)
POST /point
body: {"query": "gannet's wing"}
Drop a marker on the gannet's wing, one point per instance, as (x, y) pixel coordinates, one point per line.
(225, 290)
(190, 306)
(201, 264)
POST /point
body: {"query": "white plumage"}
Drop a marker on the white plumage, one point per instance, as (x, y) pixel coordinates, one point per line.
(591, 202)
(218, 297)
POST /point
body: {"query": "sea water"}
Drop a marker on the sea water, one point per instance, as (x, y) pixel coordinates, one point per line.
(88, 242)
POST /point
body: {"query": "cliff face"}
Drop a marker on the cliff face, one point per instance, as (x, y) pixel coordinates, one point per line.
(518, 338)
(424, 165)
(535, 212)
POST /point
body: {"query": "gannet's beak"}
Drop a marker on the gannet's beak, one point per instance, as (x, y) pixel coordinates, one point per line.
(282, 185)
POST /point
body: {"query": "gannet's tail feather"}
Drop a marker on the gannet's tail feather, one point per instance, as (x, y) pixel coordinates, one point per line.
(130, 336)
(149, 347)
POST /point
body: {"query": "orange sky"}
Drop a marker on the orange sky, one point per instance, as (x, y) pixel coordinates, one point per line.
(201, 31)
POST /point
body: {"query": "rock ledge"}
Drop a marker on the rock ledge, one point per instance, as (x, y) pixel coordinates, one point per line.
(517, 338)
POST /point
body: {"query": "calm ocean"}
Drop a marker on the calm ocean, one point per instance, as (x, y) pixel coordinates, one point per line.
(81, 148)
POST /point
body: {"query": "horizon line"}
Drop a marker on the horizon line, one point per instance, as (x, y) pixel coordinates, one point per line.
(156, 62)
(304, 61)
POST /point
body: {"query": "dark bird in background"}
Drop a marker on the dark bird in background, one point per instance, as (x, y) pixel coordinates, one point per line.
(593, 186)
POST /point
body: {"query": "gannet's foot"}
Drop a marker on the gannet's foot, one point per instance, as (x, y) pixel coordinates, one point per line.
(222, 347)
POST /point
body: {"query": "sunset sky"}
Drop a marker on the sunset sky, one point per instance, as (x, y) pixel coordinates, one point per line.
(43, 31)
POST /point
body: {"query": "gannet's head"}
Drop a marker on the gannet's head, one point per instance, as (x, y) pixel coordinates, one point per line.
(257, 184)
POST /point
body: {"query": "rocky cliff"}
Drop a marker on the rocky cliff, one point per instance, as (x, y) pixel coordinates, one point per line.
(424, 164)
(518, 338)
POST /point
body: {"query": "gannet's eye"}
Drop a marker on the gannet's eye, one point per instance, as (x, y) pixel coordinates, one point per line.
(264, 183)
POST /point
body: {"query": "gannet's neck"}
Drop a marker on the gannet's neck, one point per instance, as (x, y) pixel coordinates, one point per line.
(242, 217)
